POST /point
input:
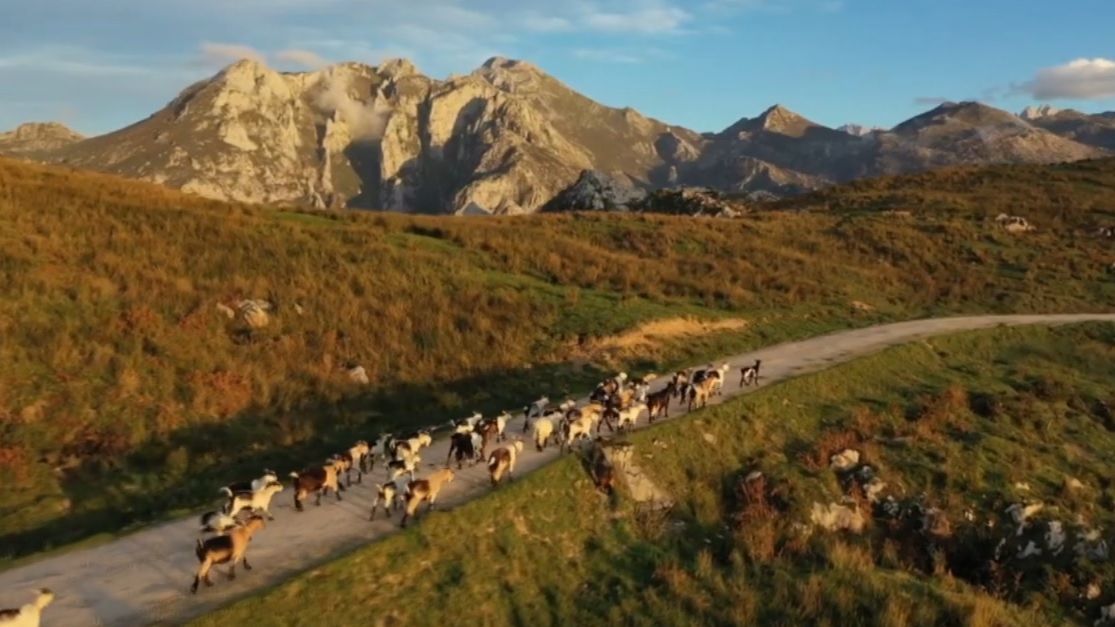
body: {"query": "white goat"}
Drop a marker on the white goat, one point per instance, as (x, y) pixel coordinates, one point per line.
(257, 501)
(216, 522)
(543, 429)
(628, 417)
(29, 615)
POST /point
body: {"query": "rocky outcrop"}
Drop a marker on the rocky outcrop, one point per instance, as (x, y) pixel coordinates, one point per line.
(597, 191)
(34, 138)
(618, 458)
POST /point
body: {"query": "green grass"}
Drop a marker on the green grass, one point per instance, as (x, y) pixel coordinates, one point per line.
(548, 549)
(125, 396)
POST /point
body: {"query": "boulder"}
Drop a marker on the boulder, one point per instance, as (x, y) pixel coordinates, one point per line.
(597, 191)
(619, 456)
(844, 460)
(837, 517)
(357, 374)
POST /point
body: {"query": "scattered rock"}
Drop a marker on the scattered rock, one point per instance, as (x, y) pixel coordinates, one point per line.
(1092, 592)
(1073, 483)
(837, 517)
(708, 437)
(844, 460)
(357, 374)
(254, 313)
(1014, 224)
(1021, 513)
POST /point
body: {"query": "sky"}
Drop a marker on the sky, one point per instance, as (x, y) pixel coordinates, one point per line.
(98, 65)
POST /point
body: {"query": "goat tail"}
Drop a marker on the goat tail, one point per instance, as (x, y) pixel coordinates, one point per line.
(200, 550)
(294, 474)
(492, 463)
(227, 492)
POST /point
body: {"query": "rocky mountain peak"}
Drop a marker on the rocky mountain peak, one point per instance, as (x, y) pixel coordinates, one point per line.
(32, 137)
(396, 68)
(777, 119)
(1036, 113)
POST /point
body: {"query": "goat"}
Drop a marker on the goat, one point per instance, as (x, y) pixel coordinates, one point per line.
(387, 493)
(489, 432)
(345, 462)
(574, 429)
(358, 454)
(250, 486)
(659, 402)
(228, 548)
(425, 490)
(415, 441)
(543, 429)
(717, 376)
(630, 416)
(383, 447)
(679, 381)
(398, 467)
(501, 422)
(29, 615)
(536, 408)
(461, 444)
(698, 393)
(749, 375)
(216, 522)
(503, 460)
(316, 480)
(257, 501)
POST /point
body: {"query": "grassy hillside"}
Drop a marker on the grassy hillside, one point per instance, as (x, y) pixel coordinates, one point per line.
(125, 394)
(968, 424)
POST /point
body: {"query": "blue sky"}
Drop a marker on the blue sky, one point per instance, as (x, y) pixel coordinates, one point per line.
(101, 64)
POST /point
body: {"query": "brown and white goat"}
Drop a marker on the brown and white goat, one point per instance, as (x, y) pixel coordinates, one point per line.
(316, 480)
(575, 429)
(629, 417)
(502, 460)
(29, 615)
(227, 548)
(698, 393)
(257, 501)
(387, 494)
(425, 490)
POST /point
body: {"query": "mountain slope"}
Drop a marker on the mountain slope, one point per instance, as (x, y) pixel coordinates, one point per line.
(1092, 130)
(506, 139)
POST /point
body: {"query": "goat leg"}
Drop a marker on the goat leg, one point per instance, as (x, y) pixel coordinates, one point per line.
(247, 566)
(232, 571)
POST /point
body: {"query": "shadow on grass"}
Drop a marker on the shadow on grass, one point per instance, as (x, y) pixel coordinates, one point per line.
(259, 438)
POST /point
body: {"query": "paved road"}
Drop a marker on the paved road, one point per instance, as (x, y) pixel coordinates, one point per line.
(144, 578)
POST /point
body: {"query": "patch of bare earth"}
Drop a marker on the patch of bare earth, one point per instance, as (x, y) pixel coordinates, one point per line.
(649, 338)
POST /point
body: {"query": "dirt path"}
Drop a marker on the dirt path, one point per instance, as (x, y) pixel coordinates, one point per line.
(144, 578)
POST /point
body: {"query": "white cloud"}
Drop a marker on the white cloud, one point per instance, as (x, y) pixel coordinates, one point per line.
(605, 55)
(1082, 79)
(216, 53)
(647, 20)
(303, 58)
(546, 23)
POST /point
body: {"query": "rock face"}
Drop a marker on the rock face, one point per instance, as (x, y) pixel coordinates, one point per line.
(505, 139)
(596, 191)
(34, 138)
(620, 457)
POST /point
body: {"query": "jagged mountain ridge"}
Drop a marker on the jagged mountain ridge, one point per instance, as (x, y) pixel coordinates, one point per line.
(506, 138)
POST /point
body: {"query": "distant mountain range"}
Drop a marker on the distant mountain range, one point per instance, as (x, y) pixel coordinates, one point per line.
(507, 138)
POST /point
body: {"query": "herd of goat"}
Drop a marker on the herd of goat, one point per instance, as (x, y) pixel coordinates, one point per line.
(616, 403)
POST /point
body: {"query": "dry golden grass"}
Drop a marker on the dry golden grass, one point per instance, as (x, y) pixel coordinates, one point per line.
(125, 394)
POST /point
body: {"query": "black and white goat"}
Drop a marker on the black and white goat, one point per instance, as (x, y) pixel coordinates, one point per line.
(217, 522)
(749, 375)
(250, 486)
